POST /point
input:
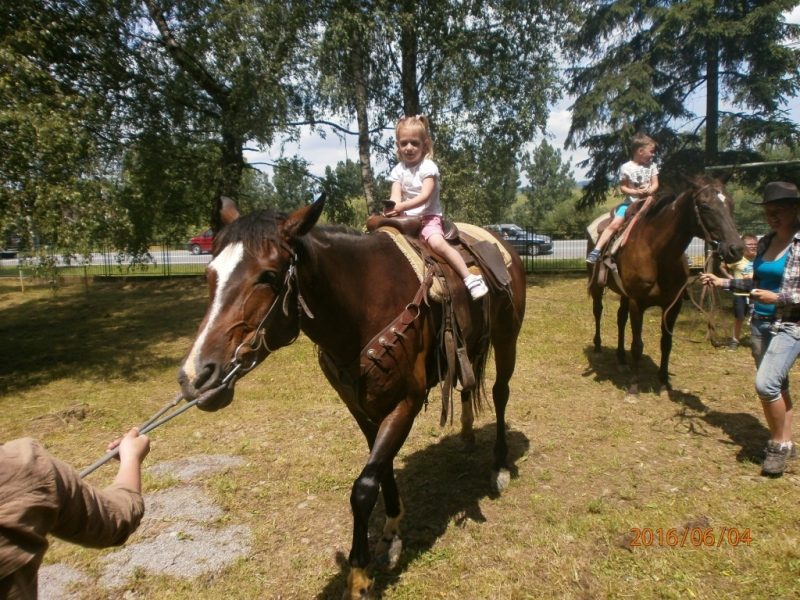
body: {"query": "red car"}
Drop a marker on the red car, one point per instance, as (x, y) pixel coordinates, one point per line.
(201, 243)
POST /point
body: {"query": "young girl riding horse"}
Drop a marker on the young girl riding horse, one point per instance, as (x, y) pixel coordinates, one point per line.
(415, 191)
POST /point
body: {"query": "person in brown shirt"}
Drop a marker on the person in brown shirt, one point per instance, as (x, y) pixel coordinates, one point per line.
(40, 494)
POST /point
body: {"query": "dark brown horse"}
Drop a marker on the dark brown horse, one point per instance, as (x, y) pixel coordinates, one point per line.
(653, 269)
(274, 275)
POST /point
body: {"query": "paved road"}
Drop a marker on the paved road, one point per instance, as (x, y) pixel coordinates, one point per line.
(561, 249)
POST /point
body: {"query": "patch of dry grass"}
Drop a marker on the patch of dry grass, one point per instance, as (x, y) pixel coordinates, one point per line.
(79, 368)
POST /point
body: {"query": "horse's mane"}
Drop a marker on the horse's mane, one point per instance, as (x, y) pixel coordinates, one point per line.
(670, 194)
(254, 228)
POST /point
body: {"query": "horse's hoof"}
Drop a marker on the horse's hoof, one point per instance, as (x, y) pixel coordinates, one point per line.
(387, 553)
(359, 585)
(664, 391)
(501, 479)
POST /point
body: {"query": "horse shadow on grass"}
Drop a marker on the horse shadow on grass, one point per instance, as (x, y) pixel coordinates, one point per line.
(441, 486)
(605, 368)
(694, 417)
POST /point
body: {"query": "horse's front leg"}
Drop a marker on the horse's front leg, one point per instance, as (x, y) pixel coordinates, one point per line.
(622, 322)
(378, 471)
(637, 347)
(667, 327)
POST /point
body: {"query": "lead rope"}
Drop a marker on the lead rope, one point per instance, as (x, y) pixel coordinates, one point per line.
(152, 423)
(710, 318)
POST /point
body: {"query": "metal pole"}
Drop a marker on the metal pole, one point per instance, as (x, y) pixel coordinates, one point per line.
(755, 164)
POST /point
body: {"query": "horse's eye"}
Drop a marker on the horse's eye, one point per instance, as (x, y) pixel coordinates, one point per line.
(266, 278)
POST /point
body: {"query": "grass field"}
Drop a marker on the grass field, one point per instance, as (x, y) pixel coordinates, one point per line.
(80, 366)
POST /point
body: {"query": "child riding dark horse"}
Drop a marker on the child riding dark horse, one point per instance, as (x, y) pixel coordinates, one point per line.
(652, 268)
(274, 275)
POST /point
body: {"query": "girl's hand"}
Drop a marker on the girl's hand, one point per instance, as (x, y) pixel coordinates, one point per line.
(390, 208)
(710, 279)
(764, 296)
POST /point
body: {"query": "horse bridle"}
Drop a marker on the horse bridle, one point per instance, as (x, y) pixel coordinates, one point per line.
(258, 339)
(695, 201)
(708, 238)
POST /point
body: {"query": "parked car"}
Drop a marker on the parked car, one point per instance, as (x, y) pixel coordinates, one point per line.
(522, 241)
(9, 248)
(201, 243)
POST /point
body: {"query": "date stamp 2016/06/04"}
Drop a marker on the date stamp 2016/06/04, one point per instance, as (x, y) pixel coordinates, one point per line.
(695, 536)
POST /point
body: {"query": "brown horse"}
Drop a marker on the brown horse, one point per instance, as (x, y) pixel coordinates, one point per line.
(653, 270)
(273, 275)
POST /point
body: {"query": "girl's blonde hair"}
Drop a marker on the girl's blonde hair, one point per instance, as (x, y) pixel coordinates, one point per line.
(418, 123)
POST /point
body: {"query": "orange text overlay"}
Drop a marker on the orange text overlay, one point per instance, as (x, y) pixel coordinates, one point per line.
(695, 536)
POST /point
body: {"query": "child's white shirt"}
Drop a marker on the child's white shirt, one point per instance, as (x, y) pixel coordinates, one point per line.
(637, 175)
(410, 181)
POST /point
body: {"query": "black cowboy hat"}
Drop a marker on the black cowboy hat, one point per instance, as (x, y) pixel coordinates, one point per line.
(779, 192)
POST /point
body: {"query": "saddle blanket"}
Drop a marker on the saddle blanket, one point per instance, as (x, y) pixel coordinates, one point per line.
(437, 293)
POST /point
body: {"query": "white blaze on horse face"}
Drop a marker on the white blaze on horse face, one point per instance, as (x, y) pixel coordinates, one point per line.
(721, 197)
(223, 264)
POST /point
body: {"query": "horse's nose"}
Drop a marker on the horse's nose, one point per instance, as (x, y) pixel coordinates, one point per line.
(732, 252)
(204, 376)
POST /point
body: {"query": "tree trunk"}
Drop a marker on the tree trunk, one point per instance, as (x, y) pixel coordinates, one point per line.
(361, 102)
(712, 102)
(232, 165)
(408, 49)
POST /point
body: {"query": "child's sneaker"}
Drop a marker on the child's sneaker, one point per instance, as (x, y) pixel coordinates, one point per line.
(477, 288)
(593, 257)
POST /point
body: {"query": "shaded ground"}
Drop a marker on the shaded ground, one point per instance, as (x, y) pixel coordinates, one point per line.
(590, 467)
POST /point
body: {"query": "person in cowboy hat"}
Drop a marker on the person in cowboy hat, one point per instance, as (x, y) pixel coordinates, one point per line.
(775, 327)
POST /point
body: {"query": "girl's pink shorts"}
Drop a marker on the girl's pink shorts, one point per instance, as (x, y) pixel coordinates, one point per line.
(431, 224)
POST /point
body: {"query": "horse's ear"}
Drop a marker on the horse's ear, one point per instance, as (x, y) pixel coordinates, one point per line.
(726, 177)
(302, 220)
(229, 211)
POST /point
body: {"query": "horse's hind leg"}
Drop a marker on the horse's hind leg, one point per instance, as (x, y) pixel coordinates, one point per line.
(637, 347)
(387, 552)
(667, 326)
(467, 422)
(597, 309)
(622, 321)
(505, 357)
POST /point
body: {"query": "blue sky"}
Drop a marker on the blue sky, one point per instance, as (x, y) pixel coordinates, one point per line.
(321, 152)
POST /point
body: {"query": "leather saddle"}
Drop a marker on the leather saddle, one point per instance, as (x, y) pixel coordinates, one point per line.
(608, 261)
(459, 320)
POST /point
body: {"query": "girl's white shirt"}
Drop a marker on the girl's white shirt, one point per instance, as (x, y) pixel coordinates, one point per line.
(411, 179)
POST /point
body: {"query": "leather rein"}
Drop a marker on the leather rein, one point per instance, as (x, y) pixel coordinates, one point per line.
(708, 238)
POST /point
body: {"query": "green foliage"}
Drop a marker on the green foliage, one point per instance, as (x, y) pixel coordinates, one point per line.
(637, 65)
(293, 188)
(483, 72)
(344, 194)
(550, 184)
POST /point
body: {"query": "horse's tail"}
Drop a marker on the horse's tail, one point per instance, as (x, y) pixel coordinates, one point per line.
(479, 369)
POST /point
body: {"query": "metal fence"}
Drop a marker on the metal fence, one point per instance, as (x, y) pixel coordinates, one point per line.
(165, 258)
(570, 254)
(162, 258)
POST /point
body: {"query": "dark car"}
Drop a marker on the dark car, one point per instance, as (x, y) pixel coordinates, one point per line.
(522, 241)
(202, 243)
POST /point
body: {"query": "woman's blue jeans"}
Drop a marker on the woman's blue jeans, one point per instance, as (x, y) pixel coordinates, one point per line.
(775, 348)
